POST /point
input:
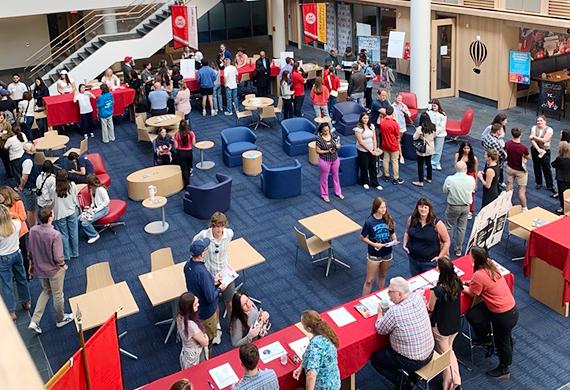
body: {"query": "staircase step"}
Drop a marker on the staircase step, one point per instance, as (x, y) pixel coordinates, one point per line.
(148, 27)
(154, 22)
(142, 31)
(89, 50)
(53, 78)
(97, 44)
(76, 61)
(82, 55)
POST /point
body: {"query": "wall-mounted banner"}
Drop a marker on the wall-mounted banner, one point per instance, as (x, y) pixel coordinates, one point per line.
(322, 22)
(541, 44)
(310, 23)
(519, 67)
(184, 26)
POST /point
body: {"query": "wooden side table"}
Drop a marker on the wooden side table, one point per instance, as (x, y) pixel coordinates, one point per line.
(156, 227)
(201, 146)
(252, 162)
(325, 119)
(313, 156)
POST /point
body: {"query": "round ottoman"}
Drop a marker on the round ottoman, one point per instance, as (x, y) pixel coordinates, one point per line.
(313, 156)
(252, 162)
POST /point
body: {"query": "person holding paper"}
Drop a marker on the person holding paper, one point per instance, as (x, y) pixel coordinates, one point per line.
(320, 358)
(332, 59)
(367, 152)
(190, 331)
(540, 138)
(377, 232)
(253, 377)
(439, 119)
(247, 323)
(348, 58)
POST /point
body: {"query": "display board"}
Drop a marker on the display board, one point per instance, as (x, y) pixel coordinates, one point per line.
(519, 67)
(489, 224)
(372, 46)
(551, 99)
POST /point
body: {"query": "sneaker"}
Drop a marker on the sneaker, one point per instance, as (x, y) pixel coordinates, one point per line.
(418, 183)
(428, 180)
(35, 327)
(524, 209)
(203, 112)
(458, 253)
(67, 318)
(470, 215)
(85, 136)
(379, 188)
(386, 178)
(93, 239)
(214, 112)
(555, 195)
(559, 211)
(538, 186)
(438, 167)
(92, 135)
(397, 181)
(501, 372)
(402, 161)
(228, 113)
(326, 199)
(366, 186)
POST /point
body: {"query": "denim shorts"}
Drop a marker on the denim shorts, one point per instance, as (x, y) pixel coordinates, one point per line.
(29, 198)
(379, 259)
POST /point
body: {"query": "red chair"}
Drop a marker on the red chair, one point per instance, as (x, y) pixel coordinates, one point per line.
(456, 129)
(110, 221)
(99, 168)
(411, 100)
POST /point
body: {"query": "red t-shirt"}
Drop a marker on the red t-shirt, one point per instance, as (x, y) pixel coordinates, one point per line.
(515, 152)
(390, 131)
(495, 293)
(191, 140)
(298, 84)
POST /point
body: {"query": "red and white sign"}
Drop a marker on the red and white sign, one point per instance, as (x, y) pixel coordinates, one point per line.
(310, 25)
(184, 26)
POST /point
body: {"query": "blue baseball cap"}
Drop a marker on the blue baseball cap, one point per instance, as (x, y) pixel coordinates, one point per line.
(4, 92)
(199, 246)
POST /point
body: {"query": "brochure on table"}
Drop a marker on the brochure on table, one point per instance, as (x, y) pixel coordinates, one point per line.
(299, 346)
(341, 317)
(224, 375)
(368, 306)
(271, 352)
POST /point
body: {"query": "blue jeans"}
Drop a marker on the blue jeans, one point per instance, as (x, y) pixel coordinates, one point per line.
(88, 225)
(332, 102)
(218, 103)
(69, 229)
(231, 95)
(436, 157)
(12, 268)
(27, 127)
(387, 362)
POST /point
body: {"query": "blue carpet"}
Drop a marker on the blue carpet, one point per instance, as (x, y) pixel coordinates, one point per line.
(542, 342)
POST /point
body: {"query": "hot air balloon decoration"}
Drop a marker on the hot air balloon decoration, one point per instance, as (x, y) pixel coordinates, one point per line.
(478, 53)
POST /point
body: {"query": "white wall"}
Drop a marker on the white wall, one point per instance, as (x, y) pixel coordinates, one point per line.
(12, 8)
(21, 37)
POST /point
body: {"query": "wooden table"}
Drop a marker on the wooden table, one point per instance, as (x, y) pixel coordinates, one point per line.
(558, 76)
(526, 220)
(251, 161)
(201, 146)
(166, 178)
(156, 227)
(322, 119)
(258, 103)
(167, 120)
(328, 226)
(51, 142)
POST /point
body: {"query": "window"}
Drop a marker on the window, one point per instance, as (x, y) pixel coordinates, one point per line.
(218, 23)
(523, 5)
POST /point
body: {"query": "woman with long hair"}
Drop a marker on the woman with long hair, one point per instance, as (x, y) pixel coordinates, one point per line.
(45, 185)
(298, 83)
(98, 208)
(40, 91)
(540, 140)
(498, 306)
(65, 215)
(287, 94)
(247, 322)
(163, 148)
(327, 146)
(489, 176)
(110, 79)
(320, 98)
(184, 140)
(320, 358)
(426, 239)
(191, 331)
(367, 152)
(331, 80)
(377, 231)
(65, 84)
(562, 167)
(11, 199)
(182, 101)
(11, 263)
(26, 113)
(426, 132)
(15, 147)
(466, 154)
(439, 119)
(444, 305)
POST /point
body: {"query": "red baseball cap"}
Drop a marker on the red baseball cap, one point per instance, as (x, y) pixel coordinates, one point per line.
(128, 58)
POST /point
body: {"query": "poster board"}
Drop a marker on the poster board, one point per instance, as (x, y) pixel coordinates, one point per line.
(519, 67)
(489, 224)
(372, 46)
(283, 55)
(551, 98)
(188, 68)
(363, 29)
(396, 41)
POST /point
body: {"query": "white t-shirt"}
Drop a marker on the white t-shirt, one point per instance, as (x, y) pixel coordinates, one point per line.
(17, 90)
(27, 166)
(112, 82)
(367, 138)
(230, 76)
(84, 101)
(64, 87)
(48, 189)
(15, 147)
(11, 244)
(26, 107)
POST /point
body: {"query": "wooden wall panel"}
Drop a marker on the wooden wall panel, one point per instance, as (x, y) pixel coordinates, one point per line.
(403, 24)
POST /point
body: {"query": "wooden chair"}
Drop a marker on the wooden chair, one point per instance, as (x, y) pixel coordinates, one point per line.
(268, 113)
(279, 108)
(99, 276)
(566, 196)
(313, 246)
(179, 114)
(143, 132)
(49, 133)
(436, 366)
(83, 146)
(161, 258)
(515, 230)
(142, 115)
(40, 158)
(242, 114)
(249, 96)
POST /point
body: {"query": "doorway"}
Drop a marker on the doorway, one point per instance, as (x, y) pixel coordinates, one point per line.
(443, 53)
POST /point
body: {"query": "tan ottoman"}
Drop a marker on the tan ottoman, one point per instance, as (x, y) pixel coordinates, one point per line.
(252, 162)
(325, 119)
(313, 156)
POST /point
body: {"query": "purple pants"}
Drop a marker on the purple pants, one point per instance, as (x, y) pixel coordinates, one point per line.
(324, 168)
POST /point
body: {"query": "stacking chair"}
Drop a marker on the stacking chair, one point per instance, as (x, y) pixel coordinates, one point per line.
(468, 335)
(514, 230)
(242, 114)
(249, 96)
(161, 258)
(268, 113)
(436, 366)
(279, 108)
(49, 133)
(98, 276)
(40, 157)
(83, 146)
(313, 246)
(143, 132)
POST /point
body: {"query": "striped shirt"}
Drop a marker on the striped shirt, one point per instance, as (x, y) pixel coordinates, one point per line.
(263, 380)
(328, 145)
(492, 142)
(409, 327)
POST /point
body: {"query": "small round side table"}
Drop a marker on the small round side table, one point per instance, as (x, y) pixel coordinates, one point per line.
(156, 227)
(325, 119)
(252, 162)
(201, 146)
(313, 156)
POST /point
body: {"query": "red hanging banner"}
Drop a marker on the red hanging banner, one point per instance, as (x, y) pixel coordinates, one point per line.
(103, 358)
(179, 25)
(310, 24)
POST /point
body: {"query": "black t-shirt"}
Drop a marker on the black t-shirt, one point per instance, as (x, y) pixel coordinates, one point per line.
(7, 105)
(446, 312)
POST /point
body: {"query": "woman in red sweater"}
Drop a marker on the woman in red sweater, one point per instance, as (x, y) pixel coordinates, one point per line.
(332, 82)
(320, 98)
(298, 82)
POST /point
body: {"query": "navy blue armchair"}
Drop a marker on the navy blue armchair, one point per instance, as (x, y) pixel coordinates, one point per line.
(281, 181)
(346, 115)
(407, 141)
(235, 141)
(204, 200)
(348, 171)
(297, 133)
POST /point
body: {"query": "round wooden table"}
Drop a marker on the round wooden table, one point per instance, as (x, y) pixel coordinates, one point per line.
(201, 146)
(156, 227)
(252, 162)
(257, 103)
(313, 156)
(324, 119)
(167, 120)
(166, 178)
(51, 142)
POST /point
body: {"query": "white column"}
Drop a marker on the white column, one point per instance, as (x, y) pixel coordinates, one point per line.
(109, 22)
(420, 31)
(278, 26)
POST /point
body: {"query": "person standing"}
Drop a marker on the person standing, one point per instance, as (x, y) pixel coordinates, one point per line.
(15, 147)
(241, 59)
(5, 134)
(110, 79)
(348, 57)
(182, 101)
(320, 98)
(562, 166)
(492, 141)
(287, 95)
(403, 116)
(66, 219)
(540, 137)
(439, 119)
(465, 153)
(379, 106)
(184, 141)
(26, 113)
(253, 377)
(369, 74)
(288, 67)
(207, 77)
(190, 331)
(489, 176)
(332, 59)
(105, 104)
(332, 82)
(498, 306)
(45, 185)
(262, 75)
(517, 157)
(367, 152)
(47, 263)
(445, 308)
(65, 84)
(231, 83)
(426, 133)
(17, 88)
(357, 85)
(224, 53)
(377, 231)
(298, 82)
(217, 97)
(83, 98)
(327, 146)
(390, 133)
(27, 187)
(459, 189)
(10, 199)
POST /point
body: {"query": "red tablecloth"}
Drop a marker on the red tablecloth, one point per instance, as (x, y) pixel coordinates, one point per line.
(61, 110)
(357, 342)
(551, 243)
(194, 85)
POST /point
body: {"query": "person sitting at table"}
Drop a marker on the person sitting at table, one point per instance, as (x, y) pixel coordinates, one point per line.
(65, 84)
(158, 100)
(241, 59)
(444, 305)
(187, 53)
(110, 79)
(320, 358)
(83, 98)
(411, 339)
(77, 167)
(163, 148)
(253, 377)
(498, 308)
(105, 104)
(98, 208)
(247, 323)
(190, 331)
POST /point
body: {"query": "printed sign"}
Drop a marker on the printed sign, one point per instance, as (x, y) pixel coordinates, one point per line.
(519, 67)
(372, 46)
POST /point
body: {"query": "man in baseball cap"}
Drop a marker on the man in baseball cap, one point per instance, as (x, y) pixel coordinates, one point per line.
(204, 286)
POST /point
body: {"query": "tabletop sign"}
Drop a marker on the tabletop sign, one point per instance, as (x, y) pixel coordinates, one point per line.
(551, 98)
(519, 67)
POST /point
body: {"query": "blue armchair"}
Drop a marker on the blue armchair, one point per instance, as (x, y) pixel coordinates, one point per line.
(348, 171)
(202, 201)
(346, 115)
(281, 181)
(297, 133)
(407, 142)
(235, 141)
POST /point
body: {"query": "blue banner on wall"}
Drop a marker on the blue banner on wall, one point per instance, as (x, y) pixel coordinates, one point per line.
(519, 67)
